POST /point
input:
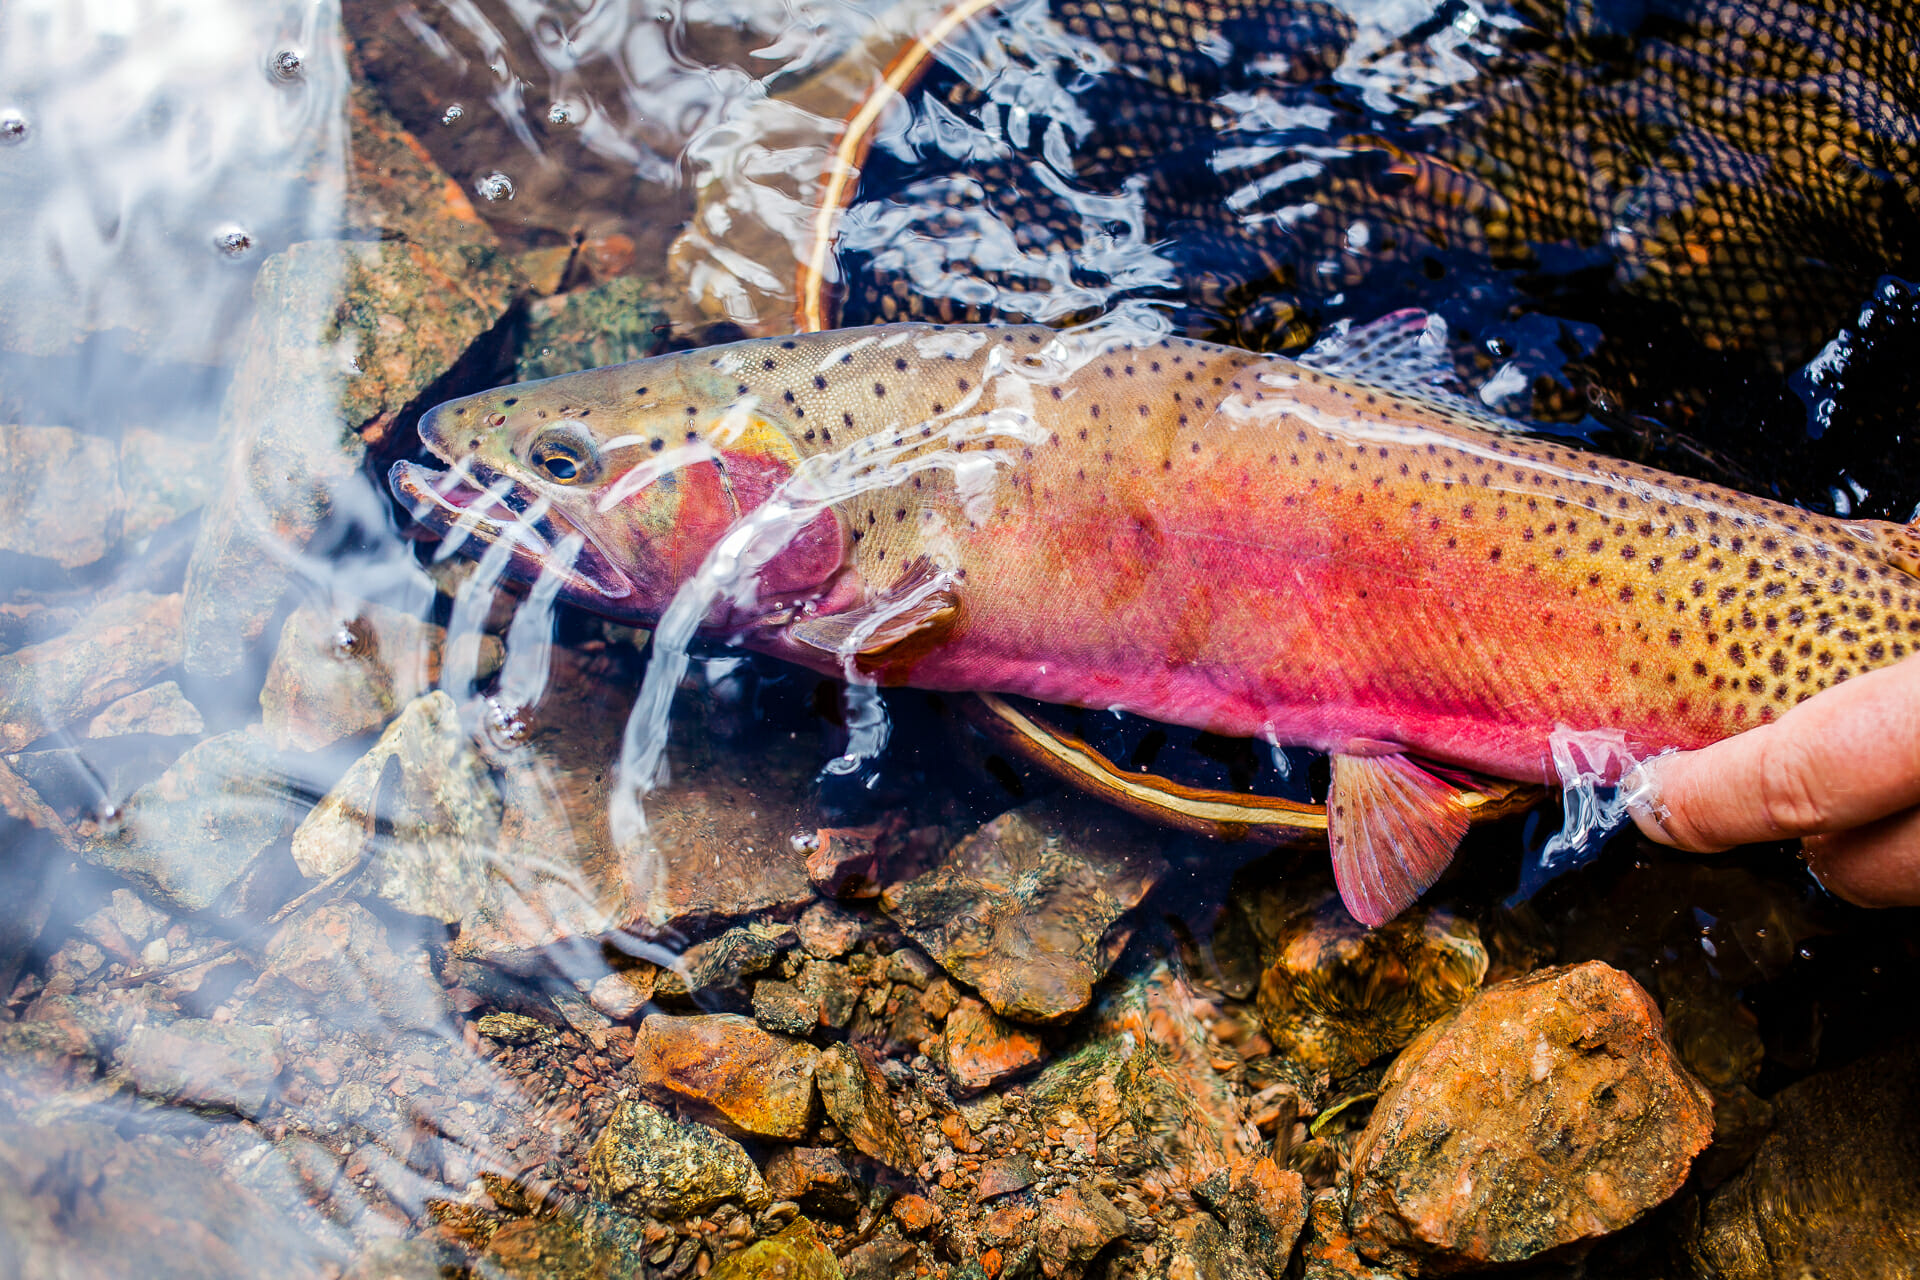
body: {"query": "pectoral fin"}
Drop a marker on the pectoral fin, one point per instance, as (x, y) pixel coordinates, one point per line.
(896, 626)
(1393, 828)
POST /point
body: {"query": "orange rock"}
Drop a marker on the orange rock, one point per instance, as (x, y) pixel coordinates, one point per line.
(1074, 1226)
(1546, 1110)
(724, 1069)
(856, 1097)
(954, 1126)
(916, 1213)
(984, 1048)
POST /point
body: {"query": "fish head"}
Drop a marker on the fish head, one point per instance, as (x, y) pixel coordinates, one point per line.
(622, 481)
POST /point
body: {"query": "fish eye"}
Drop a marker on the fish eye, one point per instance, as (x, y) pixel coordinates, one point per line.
(564, 454)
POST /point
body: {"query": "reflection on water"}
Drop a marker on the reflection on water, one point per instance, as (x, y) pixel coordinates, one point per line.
(333, 938)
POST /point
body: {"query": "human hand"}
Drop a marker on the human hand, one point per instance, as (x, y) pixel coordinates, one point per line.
(1841, 771)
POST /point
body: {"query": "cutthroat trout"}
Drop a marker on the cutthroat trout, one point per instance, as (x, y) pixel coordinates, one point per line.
(1205, 536)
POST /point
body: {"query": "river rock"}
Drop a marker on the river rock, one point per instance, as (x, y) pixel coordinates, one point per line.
(1075, 1225)
(1264, 1208)
(203, 1063)
(79, 1200)
(724, 1069)
(1548, 1109)
(613, 322)
(855, 1096)
(1024, 910)
(717, 846)
(161, 710)
(1139, 1089)
(292, 423)
(1832, 1190)
(339, 953)
(190, 834)
(70, 497)
(1335, 995)
(983, 1048)
(797, 1253)
(648, 1162)
(813, 1178)
(422, 806)
(346, 670)
(115, 649)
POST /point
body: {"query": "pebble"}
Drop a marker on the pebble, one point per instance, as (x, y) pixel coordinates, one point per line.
(813, 1178)
(797, 1253)
(1832, 1189)
(982, 1048)
(1336, 995)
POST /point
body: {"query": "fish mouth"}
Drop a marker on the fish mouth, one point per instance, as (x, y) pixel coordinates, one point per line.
(470, 500)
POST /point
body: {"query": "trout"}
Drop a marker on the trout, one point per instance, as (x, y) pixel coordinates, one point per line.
(1334, 558)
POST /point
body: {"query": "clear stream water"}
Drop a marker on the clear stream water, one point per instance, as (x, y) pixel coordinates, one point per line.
(203, 953)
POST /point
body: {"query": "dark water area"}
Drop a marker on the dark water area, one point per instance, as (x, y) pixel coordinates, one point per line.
(338, 934)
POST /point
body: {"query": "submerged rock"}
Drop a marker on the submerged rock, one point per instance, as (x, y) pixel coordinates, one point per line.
(648, 1162)
(813, 1178)
(345, 338)
(797, 1253)
(345, 671)
(1024, 910)
(622, 319)
(855, 1095)
(190, 834)
(983, 1048)
(1546, 1110)
(79, 1200)
(71, 497)
(117, 648)
(1077, 1224)
(1834, 1190)
(726, 1070)
(1264, 1208)
(421, 806)
(1335, 995)
(202, 1063)
(161, 710)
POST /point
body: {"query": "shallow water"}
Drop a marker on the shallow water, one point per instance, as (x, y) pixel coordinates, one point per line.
(329, 928)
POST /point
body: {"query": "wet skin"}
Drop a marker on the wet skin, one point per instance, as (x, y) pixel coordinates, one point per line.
(1203, 536)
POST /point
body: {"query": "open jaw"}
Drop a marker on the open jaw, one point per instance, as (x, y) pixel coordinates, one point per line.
(470, 501)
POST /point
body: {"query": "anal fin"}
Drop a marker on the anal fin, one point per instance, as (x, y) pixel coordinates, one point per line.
(1393, 828)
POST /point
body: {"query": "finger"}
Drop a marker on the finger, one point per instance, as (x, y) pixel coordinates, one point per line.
(1877, 865)
(1842, 758)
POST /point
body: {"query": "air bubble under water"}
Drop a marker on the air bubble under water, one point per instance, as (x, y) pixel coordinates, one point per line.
(13, 127)
(494, 186)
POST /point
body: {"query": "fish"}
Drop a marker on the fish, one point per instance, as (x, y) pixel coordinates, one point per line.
(1320, 552)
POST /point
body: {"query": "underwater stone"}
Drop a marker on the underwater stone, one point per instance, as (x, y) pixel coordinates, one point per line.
(70, 497)
(983, 1048)
(725, 1070)
(1832, 1190)
(646, 1161)
(80, 1200)
(114, 650)
(426, 785)
(346, 671)
(188, 835)
(161, 710)
(1024, 909)
(1546, 1110)
(623, 319)
(797, 1253)
(203, 1063)
(1336, 995)
(813, 1178)
(345, 338)
(855, 1095)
